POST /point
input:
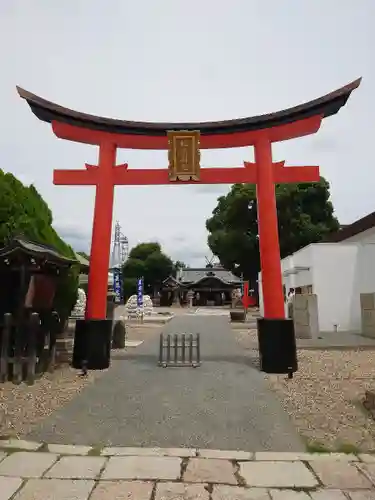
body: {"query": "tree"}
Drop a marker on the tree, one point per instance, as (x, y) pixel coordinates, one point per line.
(148, 261)
(23, 211)
(177, 266)
(305, 215)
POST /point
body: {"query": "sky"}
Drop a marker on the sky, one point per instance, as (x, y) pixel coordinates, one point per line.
(173, 60)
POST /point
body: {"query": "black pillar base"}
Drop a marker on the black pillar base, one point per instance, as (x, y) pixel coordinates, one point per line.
(277, 346)
(92, 344)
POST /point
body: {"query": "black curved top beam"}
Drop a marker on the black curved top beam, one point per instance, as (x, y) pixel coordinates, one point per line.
(325, 106)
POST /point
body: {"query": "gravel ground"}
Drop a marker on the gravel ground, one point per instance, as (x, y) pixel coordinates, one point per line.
(324, 397)
(22, 406)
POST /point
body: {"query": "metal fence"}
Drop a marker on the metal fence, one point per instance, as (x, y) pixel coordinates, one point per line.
(179, 350)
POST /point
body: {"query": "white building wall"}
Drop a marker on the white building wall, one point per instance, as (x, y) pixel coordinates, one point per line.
(334, 268)
(338, 274)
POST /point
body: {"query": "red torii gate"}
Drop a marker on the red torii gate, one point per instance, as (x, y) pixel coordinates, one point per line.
(259, 132)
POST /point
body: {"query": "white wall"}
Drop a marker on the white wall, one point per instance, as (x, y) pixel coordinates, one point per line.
(338, 273)
(334, 268)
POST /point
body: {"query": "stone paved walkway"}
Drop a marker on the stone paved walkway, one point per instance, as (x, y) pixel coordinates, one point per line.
(224, 404)
(30, 471)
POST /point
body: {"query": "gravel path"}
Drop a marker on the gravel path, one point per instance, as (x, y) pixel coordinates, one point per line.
(224, 404)
(324, 397)
(23, 406)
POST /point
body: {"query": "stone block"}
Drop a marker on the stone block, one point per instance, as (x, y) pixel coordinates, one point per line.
(77, 468)
(116, 490)
(305, 316)
(55, 489)
(226, 454)
(181, 491)
(67, 449)
(146, 468)
(339, 475)
(238, 316)
(277, 475)
(119, 334)
(27, 464)
(222, 492)
(367, 301)
(206, 470)
(8, 486)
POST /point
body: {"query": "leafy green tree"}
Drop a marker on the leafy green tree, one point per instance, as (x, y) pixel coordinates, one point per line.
(305, 215)
(178, 265)
(148, 261)
(24, 212)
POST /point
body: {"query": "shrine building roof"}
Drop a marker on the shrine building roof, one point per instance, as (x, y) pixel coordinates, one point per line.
(190, 275)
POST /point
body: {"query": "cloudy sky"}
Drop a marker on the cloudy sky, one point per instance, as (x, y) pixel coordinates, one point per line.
(177, 60)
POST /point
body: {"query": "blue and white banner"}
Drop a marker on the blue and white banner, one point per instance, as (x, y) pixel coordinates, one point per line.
(117, 285)
(140, 293)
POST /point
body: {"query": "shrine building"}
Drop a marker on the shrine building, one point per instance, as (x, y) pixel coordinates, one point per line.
(208, 286)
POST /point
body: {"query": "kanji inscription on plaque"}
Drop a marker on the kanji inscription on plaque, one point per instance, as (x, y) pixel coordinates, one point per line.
(184, 155)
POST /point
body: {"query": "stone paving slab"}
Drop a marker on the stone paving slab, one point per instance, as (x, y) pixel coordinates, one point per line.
(214, 470)
(145, 468)
(66, 449)
(8, 486)
(55, 489)
(149, 452)
(20, 444)
(278, 474)
(181, 474)
(118, 490)
(76, 468)
(27, 464)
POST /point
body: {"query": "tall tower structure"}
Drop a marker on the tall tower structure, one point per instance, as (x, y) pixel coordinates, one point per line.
(124, 249)
(116, 249)
(120, 251)
(120, 248)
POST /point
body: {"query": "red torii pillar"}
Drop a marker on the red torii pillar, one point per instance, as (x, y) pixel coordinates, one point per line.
(272, 286)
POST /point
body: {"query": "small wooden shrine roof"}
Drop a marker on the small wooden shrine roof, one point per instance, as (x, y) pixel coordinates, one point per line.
(22, 246)
(324, 106)
(84, 264)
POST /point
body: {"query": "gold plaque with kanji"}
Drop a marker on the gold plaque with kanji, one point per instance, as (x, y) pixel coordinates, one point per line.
(184, 155)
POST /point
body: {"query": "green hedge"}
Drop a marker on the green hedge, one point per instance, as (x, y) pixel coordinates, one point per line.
(23, 211)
